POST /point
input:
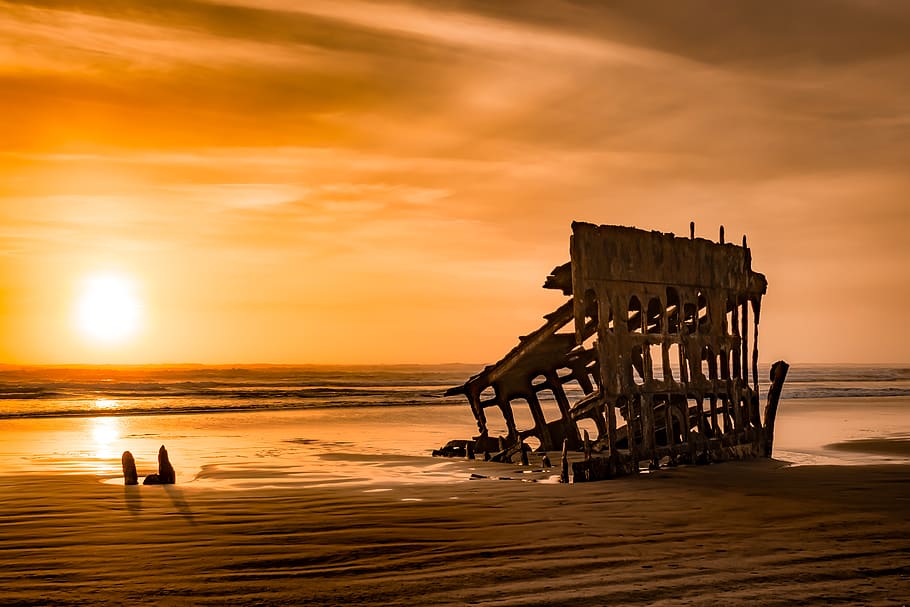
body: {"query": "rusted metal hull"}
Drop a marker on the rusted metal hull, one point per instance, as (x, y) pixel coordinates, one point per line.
(658, 338)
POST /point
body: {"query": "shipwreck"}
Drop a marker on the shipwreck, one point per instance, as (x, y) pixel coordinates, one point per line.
(655, 351)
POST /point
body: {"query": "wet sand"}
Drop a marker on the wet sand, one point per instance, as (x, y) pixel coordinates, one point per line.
(751, 533)
(346, 508)
(898, 446)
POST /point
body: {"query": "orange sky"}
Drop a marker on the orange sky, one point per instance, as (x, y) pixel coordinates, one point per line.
(334, 181)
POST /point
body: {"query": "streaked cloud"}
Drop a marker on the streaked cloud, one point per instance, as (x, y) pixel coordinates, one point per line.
(418, 158)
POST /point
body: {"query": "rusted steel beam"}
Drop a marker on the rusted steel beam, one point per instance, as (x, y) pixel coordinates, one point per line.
(778, 376)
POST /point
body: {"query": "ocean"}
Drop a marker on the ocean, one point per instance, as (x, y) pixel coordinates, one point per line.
(41, 392)
(31, 392)
(255, 426)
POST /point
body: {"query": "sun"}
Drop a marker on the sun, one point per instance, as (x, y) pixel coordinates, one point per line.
(108, 309)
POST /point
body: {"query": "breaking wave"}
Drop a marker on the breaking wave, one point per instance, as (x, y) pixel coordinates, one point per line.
(79, 392)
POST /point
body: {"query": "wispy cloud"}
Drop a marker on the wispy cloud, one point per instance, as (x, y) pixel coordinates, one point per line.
(404, 151)
(55, 40)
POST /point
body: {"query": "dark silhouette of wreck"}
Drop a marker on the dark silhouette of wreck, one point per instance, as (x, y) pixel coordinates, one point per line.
(660, 333)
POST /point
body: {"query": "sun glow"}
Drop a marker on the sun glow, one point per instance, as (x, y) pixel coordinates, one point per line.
(105, 432)
(108, 309)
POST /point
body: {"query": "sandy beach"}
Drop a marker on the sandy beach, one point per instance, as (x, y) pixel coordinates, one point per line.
(299, 509)
(733, 534)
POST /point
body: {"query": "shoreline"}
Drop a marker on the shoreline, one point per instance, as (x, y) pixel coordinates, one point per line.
(367, 445)
(226, 409)
(374, 444)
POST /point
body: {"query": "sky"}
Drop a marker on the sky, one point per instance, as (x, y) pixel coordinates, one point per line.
(334, 181)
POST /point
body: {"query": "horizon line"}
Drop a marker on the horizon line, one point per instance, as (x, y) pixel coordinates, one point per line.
(248, 365)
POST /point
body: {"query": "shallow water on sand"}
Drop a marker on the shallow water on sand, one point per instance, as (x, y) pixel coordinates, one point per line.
(380, 445)
(365, 445)
(851, 431)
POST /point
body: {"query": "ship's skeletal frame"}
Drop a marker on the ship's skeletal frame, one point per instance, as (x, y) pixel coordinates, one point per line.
(661, 335)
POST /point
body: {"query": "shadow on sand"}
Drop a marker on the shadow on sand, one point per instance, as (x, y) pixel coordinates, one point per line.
(180, 503)
(133, 499)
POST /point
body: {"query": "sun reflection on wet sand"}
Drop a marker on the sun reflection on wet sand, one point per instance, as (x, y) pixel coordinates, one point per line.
(105, 432)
